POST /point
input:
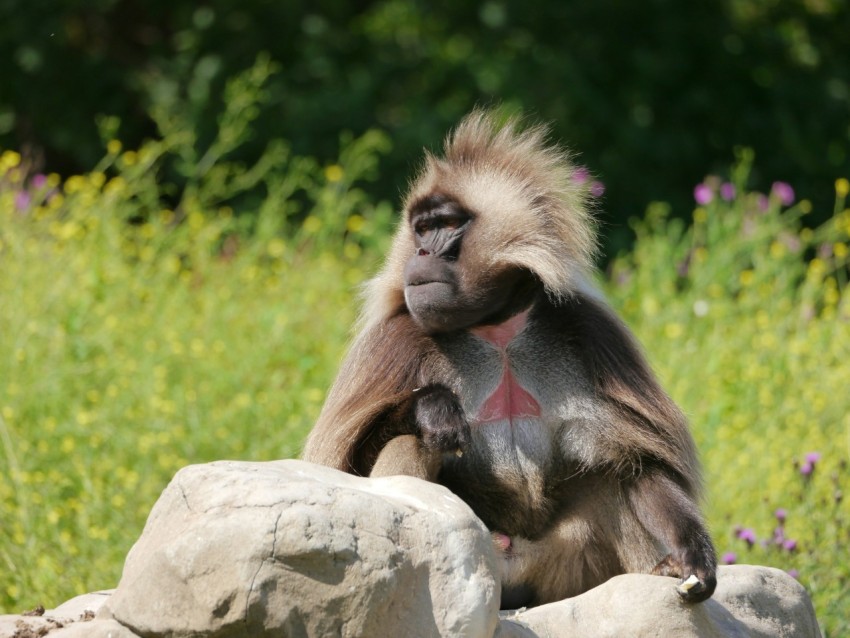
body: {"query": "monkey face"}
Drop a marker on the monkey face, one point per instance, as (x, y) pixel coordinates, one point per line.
(445, 286)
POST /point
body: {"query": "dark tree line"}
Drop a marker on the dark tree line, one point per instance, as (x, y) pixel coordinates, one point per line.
(653, 94)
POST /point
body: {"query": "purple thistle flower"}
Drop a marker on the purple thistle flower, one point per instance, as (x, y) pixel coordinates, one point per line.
(789, 545)
(747, 534)
(762, 203)
(597, 188)
(813, 457)
(783, 192)
(22, 200)
(727, 191)
(581, 175)
(808, 466)
(793, 573)
(780, 515)
(39, 181)
(792, 242)
(703, 194)
(729, 558)
(825, 251)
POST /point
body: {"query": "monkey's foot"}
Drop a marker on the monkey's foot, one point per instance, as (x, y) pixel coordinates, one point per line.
(696, 585)
(695, 590)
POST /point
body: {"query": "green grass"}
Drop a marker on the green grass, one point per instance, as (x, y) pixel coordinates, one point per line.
(136, 339)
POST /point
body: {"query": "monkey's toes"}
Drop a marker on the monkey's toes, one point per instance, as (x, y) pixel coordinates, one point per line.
(695, 590)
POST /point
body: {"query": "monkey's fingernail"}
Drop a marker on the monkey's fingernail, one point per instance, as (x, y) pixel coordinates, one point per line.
(458, 453)
(688, 584)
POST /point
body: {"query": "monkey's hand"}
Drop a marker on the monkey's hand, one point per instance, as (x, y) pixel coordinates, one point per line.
(440, 420)
(698, 576)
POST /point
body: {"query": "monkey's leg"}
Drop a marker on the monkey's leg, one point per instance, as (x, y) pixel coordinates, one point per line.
(407, 455)
(672, 517)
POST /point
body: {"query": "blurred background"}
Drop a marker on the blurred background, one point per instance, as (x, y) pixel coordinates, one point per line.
(191, 195)
(653, 95)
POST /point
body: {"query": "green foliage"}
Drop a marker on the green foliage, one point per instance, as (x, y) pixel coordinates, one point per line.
(651, 93)
(146, 326)
(139, 338)
(746, 315)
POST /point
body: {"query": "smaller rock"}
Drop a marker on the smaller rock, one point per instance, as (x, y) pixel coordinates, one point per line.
(19, 626)
(750, 602)
(83, 607)
(93, 629)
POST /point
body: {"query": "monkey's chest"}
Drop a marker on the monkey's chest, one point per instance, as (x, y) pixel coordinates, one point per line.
(497, 382)
(511, 453)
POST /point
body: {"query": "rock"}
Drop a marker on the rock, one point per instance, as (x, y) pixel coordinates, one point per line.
(750, 602)
(295, 549)
(81, 607)
(16, 626)
(94, 629)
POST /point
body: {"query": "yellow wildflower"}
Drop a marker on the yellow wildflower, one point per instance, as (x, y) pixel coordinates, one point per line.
(355, 223)
(333, 173)
(312, 224)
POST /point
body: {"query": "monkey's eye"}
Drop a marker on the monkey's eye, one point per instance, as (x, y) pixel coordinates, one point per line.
(452, 222)
(423, 226)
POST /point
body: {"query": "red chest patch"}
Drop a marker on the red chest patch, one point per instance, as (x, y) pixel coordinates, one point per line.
(509, 400)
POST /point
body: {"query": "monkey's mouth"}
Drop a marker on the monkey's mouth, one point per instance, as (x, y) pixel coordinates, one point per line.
(425, 282)
(430, 292)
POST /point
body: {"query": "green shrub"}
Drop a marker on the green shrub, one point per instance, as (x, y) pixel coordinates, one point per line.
(138, 338)
(746, 315)
(652, 93)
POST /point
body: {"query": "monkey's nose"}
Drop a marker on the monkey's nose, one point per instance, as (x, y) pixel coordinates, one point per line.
(422, 252)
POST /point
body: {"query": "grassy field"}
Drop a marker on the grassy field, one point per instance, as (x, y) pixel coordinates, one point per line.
(136, 339)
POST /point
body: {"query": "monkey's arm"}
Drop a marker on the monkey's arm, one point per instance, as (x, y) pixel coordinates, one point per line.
(376, 420)
(367, 398)
(648, 446)
(671, 516)
(648, 424)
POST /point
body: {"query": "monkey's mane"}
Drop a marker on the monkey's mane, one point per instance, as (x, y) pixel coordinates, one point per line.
(531, 210)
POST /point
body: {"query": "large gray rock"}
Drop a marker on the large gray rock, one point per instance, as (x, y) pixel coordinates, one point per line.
(288, 548)
(750, 602)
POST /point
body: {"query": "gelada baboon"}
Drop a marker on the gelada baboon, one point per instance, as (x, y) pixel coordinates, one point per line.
(487, 363)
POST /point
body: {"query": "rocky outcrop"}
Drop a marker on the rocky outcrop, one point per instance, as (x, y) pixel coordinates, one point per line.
(287, 548)
(750, 602)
